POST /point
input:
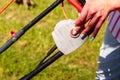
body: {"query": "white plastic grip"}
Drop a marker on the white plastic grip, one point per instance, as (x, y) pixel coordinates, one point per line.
(62, 37)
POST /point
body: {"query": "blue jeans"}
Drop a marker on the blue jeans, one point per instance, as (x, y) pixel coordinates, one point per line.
(109, 59)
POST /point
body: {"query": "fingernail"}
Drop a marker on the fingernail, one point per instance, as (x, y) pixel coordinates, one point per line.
(92, 39)
(82, 36)
(74, 32)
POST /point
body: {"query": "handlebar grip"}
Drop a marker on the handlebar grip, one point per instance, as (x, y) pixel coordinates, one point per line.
(77, 4)
(82, 2)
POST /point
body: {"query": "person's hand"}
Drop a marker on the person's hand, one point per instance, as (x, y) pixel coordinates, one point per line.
(94, 14)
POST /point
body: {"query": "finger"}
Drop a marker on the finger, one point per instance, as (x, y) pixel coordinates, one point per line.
(90, 15)
(81, 19)
(91, 25)
(79, 29)
(76, 31)
(97, 28)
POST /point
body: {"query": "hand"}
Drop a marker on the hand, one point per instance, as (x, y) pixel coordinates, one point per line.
(94, 13)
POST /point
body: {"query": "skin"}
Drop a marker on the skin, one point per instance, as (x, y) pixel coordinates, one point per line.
(94, 14)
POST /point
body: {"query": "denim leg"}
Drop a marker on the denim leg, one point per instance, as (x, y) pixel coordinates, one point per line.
(109, 59)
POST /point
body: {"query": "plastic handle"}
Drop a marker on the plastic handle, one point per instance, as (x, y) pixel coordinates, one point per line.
(82, 2)
(76, 4)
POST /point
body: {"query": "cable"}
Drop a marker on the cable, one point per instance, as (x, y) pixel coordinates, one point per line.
(4, 8)
(63, 10)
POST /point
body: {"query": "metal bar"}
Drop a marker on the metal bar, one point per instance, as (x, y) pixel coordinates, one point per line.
(82, 2)
(29, 25)
(48, 54)
(43, 66)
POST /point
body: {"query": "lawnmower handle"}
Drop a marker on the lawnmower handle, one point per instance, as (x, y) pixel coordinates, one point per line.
(82, 2)
(29, 25)
(77, 4)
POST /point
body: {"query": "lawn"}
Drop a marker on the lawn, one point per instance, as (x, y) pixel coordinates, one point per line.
(24, 55)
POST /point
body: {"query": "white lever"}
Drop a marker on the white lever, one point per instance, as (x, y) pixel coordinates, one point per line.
(63, 39)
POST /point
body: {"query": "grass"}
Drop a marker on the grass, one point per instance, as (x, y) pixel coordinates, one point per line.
(23, 56)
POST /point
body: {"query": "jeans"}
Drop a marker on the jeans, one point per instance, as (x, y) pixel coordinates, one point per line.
(109, 59)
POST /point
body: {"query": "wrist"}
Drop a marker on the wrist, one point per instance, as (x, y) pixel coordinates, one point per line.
(115, 4)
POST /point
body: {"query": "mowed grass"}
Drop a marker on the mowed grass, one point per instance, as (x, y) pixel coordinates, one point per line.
(24, 55)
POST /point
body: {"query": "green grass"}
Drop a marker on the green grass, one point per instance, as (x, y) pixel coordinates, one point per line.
(23, 56)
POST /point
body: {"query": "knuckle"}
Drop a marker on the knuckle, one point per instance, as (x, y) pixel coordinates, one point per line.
(92, 12)
(81, 19)
(102, 19)
(98, 14)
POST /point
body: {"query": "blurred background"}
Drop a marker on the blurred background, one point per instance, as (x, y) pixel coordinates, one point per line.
(24, 55)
